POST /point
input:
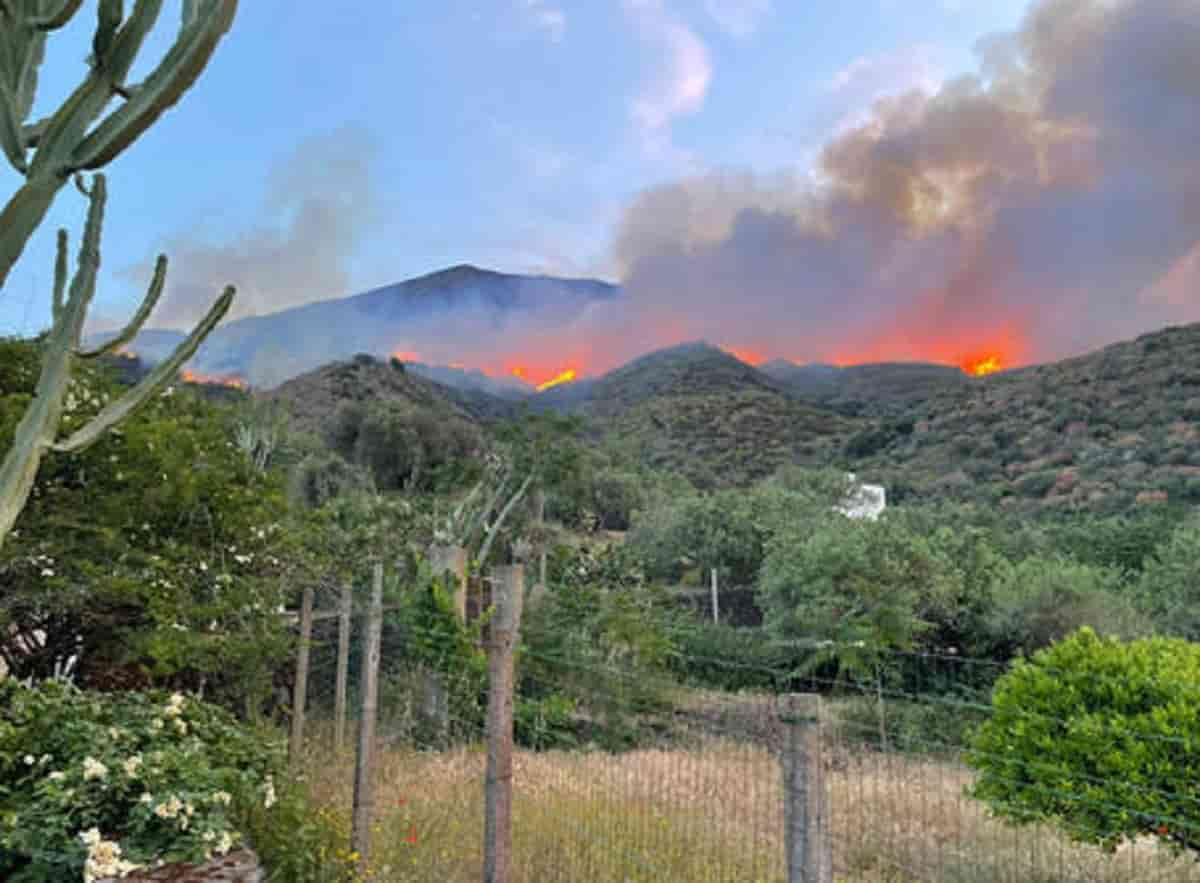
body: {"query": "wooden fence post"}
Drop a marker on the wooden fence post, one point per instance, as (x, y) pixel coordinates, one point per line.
(300, 688)
(716, 608)
(364, 774)
(806, 813)
(343, 666)
(508, 590)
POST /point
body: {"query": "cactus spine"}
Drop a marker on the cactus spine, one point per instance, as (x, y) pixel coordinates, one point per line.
(48, 153)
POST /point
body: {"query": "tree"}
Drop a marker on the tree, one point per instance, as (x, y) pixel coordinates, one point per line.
(47, 154)
(1099, 737)
(1043, 599)
(855, 592)
(154, 556)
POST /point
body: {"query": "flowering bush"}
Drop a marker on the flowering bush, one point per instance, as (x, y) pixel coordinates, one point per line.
(96, 785)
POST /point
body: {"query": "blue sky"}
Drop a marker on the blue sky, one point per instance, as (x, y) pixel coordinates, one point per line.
(507, 133)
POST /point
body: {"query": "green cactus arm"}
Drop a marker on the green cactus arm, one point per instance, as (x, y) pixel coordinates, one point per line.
(130, 331)
(83, 283)
(68, 127)
(11, 136)
(108, 19)
(166, 84)
(21, 216)
(151, 383)
(33, 132)
(52, 21)
(35, 433)
(60, 274)
(27, 80)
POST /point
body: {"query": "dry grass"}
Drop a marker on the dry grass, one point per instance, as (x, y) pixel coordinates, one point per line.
(711, 813)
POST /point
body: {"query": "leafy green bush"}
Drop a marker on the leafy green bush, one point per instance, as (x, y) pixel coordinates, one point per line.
(1099, 736)
(97, 784)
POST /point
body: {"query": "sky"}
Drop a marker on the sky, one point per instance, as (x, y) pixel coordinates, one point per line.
(842, 180)
(506, 133)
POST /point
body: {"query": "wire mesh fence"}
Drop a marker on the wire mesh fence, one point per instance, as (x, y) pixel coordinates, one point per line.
(623, 774)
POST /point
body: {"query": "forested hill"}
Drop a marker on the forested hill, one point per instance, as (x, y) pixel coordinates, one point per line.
(1104, 431)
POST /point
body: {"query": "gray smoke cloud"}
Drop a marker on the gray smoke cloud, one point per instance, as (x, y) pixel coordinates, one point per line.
(1044, 205)
(317, 207)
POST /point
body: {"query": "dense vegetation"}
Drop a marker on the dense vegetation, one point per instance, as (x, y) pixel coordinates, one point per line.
(160, 557)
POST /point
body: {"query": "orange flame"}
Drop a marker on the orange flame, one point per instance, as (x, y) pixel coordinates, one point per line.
(231, 381)
(565, 377)
(747, 356)
(983, 365)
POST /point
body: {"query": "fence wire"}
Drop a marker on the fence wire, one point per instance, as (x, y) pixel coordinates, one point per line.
(620, 774)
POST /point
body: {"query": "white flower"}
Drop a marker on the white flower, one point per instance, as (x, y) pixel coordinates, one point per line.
(269, 794)
(93, 769)
(181, 727)
(46, 571)
(90, 837)
(226, 842)
(222, 797)
(146, 798)
(56, 776)
(175, 704)
(104, 858)
(30, 760)
(131, 765)
(169, 809)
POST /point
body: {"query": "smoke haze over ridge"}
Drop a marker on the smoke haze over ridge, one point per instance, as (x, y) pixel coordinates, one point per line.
(1046, 204)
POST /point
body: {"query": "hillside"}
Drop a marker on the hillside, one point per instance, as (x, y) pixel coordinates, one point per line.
(407, 316)
(698, 410)
(312, 398)
(881, 389)
(1103, 431)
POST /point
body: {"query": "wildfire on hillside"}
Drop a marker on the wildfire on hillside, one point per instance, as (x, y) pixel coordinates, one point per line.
(981, 367)
(743, 354)
(230, 381)
(565, 377)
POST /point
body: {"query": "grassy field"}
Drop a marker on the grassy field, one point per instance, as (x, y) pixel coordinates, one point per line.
(712, 813)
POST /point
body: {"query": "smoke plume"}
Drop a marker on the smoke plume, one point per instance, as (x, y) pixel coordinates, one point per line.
(1044, 205)
(318, 205)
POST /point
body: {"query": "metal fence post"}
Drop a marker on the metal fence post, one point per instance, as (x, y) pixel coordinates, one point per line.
(508, 590)
(806, 816)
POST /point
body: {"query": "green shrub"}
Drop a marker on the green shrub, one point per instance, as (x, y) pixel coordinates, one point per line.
(723, 657)
(96, 784)
(1043, 599)
(1099, 736)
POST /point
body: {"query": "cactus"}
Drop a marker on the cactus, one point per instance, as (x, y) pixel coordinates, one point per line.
(37, 432)
(75, 138)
